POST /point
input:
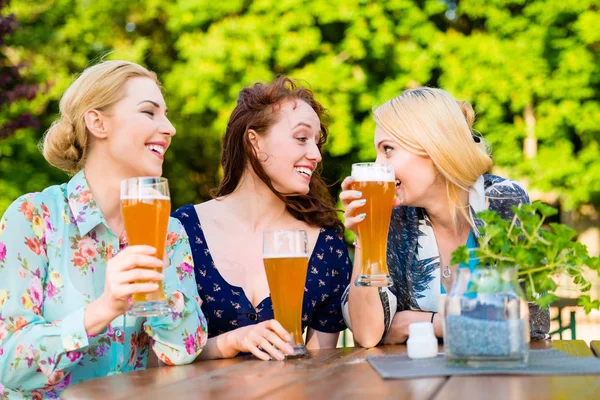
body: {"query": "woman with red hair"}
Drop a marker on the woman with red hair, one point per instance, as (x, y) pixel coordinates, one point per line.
(271, 151)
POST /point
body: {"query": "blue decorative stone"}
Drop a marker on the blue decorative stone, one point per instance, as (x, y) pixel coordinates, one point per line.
(483, 337)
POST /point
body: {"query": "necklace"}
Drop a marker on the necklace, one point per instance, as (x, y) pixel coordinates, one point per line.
(446, 273)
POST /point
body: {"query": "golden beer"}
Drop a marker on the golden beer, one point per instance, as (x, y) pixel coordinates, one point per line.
(285, 255)
(377, 184)
(146, 205)
(287, 276)
(146, 221)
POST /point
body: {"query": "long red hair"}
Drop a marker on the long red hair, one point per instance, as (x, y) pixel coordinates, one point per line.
(257, 109)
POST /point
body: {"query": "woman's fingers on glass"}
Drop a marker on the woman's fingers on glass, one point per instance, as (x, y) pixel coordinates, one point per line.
(276, 327)
(353, 214)
(348, 196)
(347, 183)
(267, 347)
(251, 343)
(280, 342)
(140, 260)
(140, 288)
(351, 222)
(258, 353)
(353, 206)
(140, 274)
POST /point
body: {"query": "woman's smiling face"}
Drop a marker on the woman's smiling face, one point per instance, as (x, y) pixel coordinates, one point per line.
(416, 176)
(289, 150)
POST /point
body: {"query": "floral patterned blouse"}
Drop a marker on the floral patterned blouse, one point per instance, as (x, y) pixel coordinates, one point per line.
(226, 306)
(54, 247)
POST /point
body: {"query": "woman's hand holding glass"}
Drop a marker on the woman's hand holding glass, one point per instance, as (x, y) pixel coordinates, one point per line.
(352, 202)
(373, 187)
(266, 340)
(125, 277)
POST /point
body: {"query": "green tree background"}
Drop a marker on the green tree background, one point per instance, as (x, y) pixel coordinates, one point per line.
(531, 69)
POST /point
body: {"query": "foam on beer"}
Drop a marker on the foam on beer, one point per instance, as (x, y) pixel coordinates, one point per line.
(285, 255)
(370, 174)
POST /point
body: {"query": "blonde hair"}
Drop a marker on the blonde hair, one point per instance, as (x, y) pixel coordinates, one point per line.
(430, 122)
(65, 143)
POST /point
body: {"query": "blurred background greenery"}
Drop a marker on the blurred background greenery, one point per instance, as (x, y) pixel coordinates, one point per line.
(530, 68)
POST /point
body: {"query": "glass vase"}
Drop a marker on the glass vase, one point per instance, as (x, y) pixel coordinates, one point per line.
(486, 319)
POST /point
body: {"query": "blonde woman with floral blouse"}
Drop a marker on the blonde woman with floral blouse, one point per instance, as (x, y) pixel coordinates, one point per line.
(66, 272)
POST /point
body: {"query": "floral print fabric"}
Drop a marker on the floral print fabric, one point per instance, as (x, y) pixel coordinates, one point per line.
(54, 248)
(226, 306)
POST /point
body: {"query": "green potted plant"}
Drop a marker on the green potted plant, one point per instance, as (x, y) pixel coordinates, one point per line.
(486, 312)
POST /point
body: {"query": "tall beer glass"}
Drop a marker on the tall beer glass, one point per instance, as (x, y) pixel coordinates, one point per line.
(285, 255)
(377, 184)
(146, 205)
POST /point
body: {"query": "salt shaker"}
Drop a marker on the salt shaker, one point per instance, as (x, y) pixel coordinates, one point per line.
(421, 342)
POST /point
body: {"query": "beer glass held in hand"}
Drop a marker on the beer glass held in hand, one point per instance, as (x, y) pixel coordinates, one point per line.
(285, 255)
(377, 184)
(146, 205)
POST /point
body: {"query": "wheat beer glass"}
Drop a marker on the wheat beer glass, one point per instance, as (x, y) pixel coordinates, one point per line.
(146, 205)
(285, 255)
(377, 184)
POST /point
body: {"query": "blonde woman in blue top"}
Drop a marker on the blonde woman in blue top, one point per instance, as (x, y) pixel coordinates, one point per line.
(66, 272)
(441, 184)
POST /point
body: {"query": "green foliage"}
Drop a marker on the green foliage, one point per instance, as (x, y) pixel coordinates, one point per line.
(540, 254)
(504, 56)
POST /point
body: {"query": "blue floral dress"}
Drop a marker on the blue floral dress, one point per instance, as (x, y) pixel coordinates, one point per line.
(226, 307)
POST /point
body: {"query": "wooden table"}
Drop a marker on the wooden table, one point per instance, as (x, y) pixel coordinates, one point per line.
(332, 374)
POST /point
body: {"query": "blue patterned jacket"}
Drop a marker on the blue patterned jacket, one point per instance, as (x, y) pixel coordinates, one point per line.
(410, 276)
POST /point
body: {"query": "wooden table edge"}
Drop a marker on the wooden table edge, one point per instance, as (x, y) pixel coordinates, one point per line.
(577, 348)
(595, 346)
(73, 391)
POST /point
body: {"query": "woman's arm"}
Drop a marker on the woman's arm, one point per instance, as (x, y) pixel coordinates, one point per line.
(316, 340)
(266, 340)
(222, 346)
(398, 332)
(365, 312)
(180, 335)
(365, 309)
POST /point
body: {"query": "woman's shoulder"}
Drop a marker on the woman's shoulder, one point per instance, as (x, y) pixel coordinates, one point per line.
(194, 212)
(184, 213)
(45, 202)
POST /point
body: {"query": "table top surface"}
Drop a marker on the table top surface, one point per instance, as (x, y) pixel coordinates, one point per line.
(333, 374)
